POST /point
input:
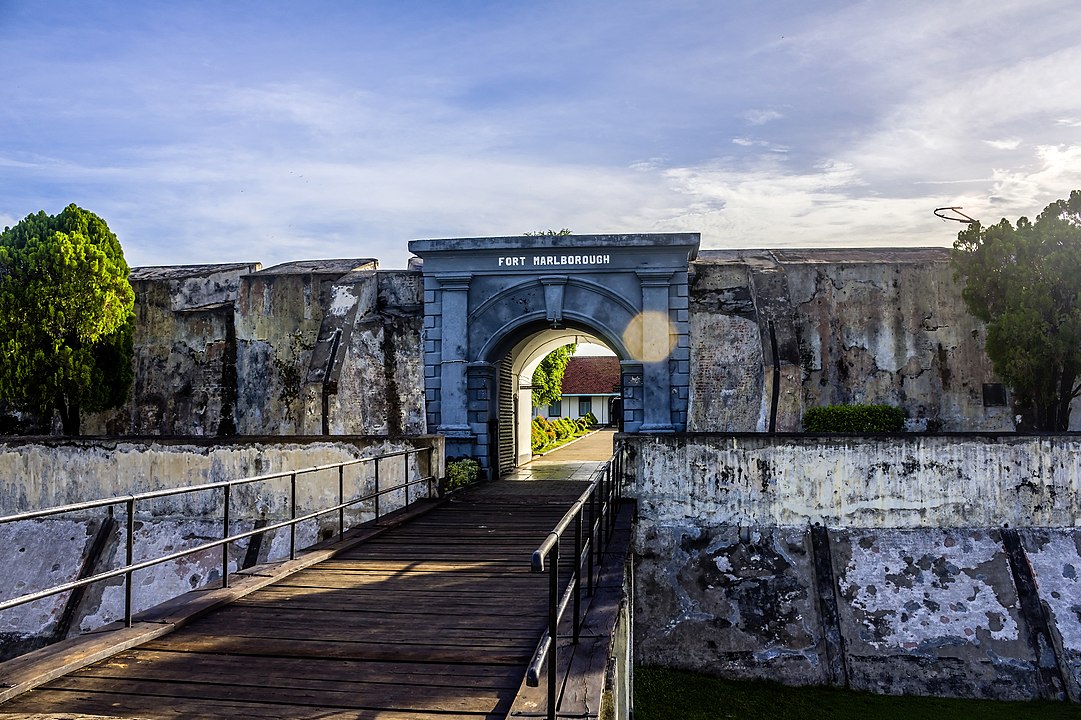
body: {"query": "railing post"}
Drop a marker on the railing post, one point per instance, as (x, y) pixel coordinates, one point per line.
(611, 503)
(130, 555)
(576, 577)
(430, 473)
(377, 489)
(594, 538)
(225, 547)
(598, 529)
(553, 628)
(341, 501)
(618, 467)
(293, 516)
(405, 476)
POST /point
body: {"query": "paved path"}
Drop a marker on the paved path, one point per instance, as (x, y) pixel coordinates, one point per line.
(575, 461)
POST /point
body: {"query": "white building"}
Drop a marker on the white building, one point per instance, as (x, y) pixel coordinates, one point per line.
(590, 384)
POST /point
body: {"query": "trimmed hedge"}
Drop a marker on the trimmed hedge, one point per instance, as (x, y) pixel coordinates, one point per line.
(854, 419)
(548, 432)
(541, 433)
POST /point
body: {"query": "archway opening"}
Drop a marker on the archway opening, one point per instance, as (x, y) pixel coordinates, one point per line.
(516, 362)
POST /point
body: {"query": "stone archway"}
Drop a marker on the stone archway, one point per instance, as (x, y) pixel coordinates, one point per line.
(485, 297)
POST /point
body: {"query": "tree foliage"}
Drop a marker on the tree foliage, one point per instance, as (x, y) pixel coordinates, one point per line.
(549, 233)
(1024, 281)
(548, 377)
(66, 320)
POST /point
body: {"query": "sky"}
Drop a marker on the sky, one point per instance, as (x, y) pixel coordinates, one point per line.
(273, 131)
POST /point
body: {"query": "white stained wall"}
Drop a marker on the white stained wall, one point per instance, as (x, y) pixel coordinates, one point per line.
(887, 481)
(569, 407)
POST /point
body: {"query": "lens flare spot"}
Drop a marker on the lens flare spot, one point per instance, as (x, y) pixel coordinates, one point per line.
(650, 336)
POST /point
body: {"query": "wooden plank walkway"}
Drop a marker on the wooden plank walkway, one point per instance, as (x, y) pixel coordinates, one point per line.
(437, 618)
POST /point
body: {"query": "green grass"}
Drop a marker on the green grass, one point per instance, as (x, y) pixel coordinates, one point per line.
(662, 694)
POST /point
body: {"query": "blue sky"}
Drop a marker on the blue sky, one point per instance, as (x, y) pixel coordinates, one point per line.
(275, 131)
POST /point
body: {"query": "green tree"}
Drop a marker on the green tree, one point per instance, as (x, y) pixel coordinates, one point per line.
(66, 320)
(550, 233)
(1024, 281)
(548, 377)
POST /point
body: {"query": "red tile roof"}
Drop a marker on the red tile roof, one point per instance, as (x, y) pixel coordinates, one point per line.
(591, 375)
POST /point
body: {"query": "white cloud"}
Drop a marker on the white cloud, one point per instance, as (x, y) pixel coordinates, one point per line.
(889, 110)
(751, 142)
(771, 204)
(323, 208)
(761, 117)
(933, 93)
(648, 164)
(13, 163)
(768, 206)
(1015, 192)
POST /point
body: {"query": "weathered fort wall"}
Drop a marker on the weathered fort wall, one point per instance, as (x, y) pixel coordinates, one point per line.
(836, 326)
(305, 348)
(42, 473)
(336, 346)
(920, 564)
(185, 358)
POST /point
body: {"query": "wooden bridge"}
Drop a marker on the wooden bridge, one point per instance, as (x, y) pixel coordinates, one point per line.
(435, 613)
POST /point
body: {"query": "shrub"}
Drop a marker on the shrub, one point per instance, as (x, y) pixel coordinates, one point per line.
(544, 432)
(854, 419)
(461, 472)
(537, 438)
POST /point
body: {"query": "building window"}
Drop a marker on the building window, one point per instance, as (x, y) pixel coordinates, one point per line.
(555, 409)
(994, 394)
(585, 406)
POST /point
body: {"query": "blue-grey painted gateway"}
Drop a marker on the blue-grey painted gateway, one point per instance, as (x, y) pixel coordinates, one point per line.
(494, 307)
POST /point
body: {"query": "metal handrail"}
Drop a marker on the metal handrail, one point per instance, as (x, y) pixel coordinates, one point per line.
(602, 499)
(129, 501)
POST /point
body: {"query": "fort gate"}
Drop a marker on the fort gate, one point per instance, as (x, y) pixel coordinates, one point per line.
(494, 307)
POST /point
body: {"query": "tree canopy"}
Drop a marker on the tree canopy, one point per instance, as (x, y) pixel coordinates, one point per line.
(1024, 281)
(549, 233)
(66, 320)
(548, 377)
